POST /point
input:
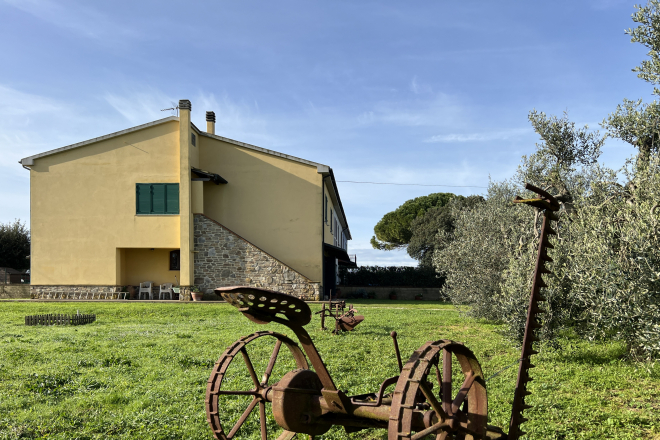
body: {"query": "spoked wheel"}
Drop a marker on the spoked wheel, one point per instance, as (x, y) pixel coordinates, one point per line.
(234, 385)
(426, 384)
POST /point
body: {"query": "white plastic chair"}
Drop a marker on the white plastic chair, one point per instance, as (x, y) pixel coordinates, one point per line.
(166, 289)
(147, 288)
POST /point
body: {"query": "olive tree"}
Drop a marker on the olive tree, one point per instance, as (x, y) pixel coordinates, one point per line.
(633, 121)
(615, 260)
(637, 124)
(648, 34)
(474, 254)
(489, 257)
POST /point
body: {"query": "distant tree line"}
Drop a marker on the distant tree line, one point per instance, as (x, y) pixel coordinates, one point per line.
(14, 245)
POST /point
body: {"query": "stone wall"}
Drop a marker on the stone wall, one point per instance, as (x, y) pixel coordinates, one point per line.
(14, 291)
(223, 258)
(402, 293)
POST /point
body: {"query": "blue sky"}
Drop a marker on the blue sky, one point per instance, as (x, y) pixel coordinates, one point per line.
(425, 92)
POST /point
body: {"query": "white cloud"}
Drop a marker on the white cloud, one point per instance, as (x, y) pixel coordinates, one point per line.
(479, 137)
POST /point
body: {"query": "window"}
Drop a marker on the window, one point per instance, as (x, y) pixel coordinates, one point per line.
(332, 220)
(175, 260)
(325, 210)
(156, 198)
(194, 140)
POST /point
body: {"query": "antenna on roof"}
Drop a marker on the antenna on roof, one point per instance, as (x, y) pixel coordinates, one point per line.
(174, 108)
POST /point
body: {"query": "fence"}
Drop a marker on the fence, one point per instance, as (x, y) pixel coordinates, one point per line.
(14, 278)
(59, 319)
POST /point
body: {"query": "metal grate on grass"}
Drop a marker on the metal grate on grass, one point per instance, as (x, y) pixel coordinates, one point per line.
(59, 319)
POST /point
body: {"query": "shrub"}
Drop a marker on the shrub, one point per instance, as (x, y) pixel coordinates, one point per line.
(391, 276)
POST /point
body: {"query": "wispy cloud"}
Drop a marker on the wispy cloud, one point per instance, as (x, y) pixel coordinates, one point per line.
(241, 120)
(141, 107)
(479, 137)
(17, 105)
(417, 87)
(81, 19)
(20, 116)
(442, 110)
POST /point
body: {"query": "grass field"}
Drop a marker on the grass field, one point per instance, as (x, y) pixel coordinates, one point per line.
(140, 371)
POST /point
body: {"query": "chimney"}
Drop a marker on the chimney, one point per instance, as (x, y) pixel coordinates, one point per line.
(210, 122)
(184, 104)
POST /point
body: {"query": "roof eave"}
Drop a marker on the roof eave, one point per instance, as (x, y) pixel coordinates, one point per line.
(262, 150)
(28, 161)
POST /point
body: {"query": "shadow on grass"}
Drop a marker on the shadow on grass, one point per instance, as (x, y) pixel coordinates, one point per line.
(590, 353)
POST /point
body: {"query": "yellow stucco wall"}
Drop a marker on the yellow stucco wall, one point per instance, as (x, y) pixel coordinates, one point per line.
(197, 196)
(140, 265)
(273, 202)
(83, 206)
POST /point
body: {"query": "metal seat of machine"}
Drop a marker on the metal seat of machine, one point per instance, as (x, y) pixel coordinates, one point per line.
(262, 305)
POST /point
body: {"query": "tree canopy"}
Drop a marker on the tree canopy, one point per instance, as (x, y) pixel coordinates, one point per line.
(633, 121)
(14, 245)
(393, 230)
(424, 239)
(637, 124)
(648, 34)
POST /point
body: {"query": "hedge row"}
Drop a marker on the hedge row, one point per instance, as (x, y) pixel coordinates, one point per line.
(390, 276)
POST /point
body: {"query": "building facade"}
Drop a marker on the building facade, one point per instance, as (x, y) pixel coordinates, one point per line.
(169, 203)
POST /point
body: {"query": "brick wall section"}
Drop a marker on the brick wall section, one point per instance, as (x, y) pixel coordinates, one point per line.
(223, 259)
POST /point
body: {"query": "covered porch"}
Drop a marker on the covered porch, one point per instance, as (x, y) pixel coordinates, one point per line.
(156, 265)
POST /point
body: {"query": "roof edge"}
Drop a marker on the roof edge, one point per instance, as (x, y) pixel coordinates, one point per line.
(262, 150)
(27, 161)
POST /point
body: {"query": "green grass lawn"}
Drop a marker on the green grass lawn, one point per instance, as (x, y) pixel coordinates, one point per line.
(140, 371)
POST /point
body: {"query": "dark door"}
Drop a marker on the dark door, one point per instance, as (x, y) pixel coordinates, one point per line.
(329, 277)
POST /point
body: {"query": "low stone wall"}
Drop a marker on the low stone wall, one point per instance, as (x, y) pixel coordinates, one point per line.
(402, 293)
(14, 291)
(224, 258)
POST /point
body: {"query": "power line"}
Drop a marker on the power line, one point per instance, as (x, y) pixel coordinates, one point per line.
(412, 184)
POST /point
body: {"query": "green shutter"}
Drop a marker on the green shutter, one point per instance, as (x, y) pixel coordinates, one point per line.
(143, 198)
(172, 198)
(158, 198)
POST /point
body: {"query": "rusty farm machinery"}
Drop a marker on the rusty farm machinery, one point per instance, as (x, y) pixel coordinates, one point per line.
(345, 321)
(423, 404)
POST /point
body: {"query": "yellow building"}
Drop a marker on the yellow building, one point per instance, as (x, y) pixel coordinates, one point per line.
(169, 203)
